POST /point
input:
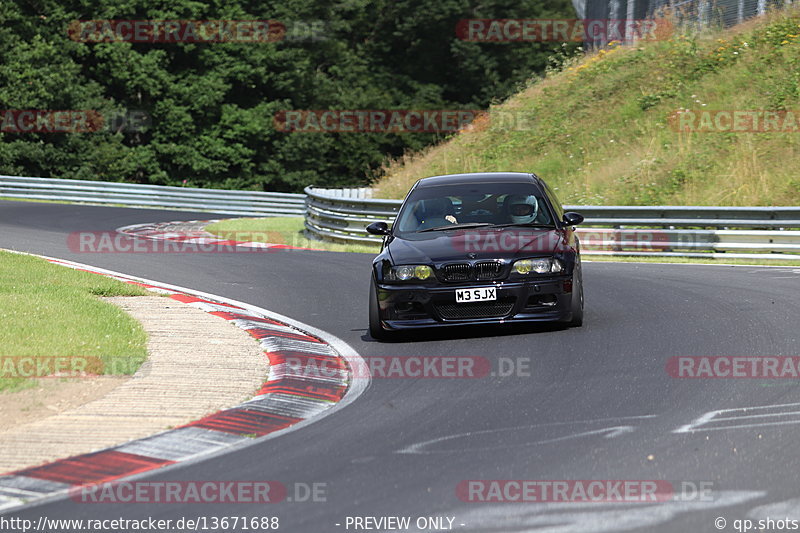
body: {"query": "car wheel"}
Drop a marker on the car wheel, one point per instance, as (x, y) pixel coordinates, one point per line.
(376, 330)
(577, 303)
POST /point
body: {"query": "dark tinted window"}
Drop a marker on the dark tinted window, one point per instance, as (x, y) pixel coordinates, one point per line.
(491, 203)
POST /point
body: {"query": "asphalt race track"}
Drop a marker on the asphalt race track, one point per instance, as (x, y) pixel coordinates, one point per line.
(596, 403)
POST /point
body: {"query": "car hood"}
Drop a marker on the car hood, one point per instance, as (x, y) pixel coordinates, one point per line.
(499, 243)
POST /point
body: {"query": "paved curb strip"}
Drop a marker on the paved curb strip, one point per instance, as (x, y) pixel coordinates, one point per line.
(193, 232)
(291, 397)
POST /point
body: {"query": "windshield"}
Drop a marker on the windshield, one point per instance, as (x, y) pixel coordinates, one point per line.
(433, 209)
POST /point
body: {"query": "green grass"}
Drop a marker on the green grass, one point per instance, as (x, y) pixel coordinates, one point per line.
(601, 134)
(280, 230)
(50, 310)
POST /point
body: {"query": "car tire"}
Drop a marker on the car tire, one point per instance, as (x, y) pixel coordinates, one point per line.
(376, 330)
(576, 320)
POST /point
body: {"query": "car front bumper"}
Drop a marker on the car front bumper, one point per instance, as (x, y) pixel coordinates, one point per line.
(414, 306)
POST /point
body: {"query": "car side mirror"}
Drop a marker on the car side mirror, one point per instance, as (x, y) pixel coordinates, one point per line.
(378, 228)
(572, 219)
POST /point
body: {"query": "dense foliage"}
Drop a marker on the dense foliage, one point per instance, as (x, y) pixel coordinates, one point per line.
(211, 105)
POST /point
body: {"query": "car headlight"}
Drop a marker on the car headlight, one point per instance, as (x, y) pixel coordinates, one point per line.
(549, 265)
(409, 272)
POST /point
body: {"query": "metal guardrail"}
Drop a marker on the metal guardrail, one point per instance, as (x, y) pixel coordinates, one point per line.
(247, 203)
(686, 231)
(341, 219)
(341, 215)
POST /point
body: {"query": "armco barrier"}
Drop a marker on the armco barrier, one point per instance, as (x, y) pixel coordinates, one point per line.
(688, 231)
(248, 203)
(338, 218)
(341, 215)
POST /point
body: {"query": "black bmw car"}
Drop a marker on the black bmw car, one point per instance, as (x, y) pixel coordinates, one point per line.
(476, 249)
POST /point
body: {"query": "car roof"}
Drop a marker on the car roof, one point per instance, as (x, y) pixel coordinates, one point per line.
(478, 177)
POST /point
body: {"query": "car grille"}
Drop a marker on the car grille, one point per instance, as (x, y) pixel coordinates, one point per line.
(457, 272)
(482, 270)
(475, 310)
(488, 269)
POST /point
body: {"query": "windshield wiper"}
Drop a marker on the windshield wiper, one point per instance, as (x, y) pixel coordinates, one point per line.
(523, 225)
(464, 225)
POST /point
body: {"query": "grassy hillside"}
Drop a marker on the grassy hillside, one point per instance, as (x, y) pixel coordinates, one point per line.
(601, 133)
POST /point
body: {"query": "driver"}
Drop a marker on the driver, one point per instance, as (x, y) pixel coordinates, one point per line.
(522, 209)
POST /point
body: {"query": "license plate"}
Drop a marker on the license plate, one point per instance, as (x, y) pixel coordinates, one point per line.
(483, 294)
